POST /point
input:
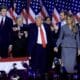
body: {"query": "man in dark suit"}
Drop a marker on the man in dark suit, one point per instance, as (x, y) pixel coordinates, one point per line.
(5, 32)
(39, 42)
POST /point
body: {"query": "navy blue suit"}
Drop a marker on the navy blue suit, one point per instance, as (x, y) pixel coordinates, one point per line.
(39, 55)
(5, 36)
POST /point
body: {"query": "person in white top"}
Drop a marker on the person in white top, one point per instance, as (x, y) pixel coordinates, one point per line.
(63, 15)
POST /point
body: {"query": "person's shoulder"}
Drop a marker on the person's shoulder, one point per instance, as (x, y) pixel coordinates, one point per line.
(15, 25)
(25, 25)
(45, 24)
(8, 18)
(32, 24)
(78, 24)
(64, 26)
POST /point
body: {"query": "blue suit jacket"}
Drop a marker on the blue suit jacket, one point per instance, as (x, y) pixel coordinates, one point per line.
(33, 34)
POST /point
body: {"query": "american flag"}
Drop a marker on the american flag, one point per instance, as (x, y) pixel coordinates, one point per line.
(34, 9)
(29, 9)
(49, 6)
(20, 8)
(53, 8)
(4, 2)
(72, 6)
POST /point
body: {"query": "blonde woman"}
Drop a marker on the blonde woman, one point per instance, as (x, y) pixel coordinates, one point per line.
(70, 43)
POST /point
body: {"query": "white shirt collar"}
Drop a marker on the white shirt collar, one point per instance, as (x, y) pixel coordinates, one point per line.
(63, 22)
(4, 17)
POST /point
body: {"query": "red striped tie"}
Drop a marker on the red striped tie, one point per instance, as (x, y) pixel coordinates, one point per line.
(42, 38)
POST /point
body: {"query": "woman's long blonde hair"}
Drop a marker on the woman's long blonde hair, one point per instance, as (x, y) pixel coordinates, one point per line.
(73, 25)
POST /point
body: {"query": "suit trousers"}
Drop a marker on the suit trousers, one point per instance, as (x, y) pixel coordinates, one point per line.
(39, 59)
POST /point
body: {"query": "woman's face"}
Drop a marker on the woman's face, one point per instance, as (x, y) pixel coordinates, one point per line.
(48, 21)
(19, 21)
(69, 20)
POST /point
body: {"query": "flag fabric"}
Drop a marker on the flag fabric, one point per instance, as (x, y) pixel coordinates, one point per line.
(49, 6)
(53, 8)
(34, 10)
(20, 8)
(7, 3)
(72, 6)
(29, 9)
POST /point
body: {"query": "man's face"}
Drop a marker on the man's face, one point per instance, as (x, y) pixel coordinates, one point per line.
(3, 12)
(62, 16)
(38, 21)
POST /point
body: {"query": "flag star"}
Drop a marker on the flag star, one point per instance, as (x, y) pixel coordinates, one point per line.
(36, 10)
(52, 6)
(56, 4)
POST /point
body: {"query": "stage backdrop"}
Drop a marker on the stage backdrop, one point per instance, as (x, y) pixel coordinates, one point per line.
(30, 8)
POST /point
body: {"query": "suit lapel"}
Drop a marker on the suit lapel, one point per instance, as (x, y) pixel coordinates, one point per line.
(46, 29)
(36, 32)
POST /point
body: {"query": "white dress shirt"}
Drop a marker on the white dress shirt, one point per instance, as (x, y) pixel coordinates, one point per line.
(3, 19)
(63, 23)
(39, 41)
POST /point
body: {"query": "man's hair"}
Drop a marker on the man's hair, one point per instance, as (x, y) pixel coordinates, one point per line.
(19, 17)
(65, 12)
(38, 16)
(3, 7)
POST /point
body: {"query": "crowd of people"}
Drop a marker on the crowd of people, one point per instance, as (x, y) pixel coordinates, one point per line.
(42, 41)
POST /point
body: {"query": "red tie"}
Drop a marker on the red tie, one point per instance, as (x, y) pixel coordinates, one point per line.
(42, 38)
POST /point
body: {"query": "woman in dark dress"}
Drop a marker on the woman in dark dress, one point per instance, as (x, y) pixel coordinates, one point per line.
(55, 32)
(19, 39)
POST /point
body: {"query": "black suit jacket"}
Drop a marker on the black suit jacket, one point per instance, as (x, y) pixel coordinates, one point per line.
(33, 34)
(5, 32)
